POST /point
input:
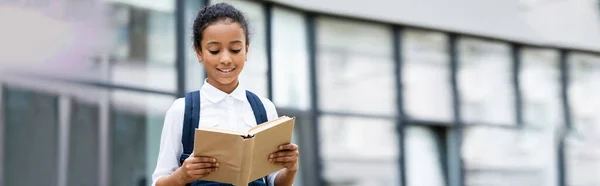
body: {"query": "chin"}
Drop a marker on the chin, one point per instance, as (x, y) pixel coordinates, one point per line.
(226, 81)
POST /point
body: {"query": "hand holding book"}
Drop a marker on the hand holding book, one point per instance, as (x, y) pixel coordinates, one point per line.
(287, 156)
(195, 168)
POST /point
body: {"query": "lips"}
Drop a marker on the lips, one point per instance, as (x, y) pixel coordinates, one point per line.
(226, 71)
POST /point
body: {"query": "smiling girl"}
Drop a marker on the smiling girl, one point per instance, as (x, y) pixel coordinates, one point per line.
(221, 43)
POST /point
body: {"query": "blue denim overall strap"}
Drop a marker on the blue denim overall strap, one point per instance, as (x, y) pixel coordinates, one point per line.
(191, 119)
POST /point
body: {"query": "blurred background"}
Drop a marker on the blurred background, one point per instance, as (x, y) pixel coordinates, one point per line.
(404, 92)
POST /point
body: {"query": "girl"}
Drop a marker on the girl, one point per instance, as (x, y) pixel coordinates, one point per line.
(221, 42)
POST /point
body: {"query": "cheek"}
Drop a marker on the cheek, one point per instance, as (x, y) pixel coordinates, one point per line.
(210, 59)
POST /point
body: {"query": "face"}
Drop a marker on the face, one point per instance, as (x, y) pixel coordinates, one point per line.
(224, 52)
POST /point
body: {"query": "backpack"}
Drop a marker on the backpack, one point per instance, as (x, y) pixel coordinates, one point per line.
(191, 118)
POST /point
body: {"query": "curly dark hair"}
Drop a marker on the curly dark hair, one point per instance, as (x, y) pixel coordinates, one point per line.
(214, 13)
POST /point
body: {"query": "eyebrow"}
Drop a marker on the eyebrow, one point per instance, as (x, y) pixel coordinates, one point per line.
(216, 43)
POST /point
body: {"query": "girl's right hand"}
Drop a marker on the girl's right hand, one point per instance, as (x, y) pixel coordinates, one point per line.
(194, 168)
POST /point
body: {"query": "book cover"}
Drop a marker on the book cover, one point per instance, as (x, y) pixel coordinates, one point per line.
(243, 157)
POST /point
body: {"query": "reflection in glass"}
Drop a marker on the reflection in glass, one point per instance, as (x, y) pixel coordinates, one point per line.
(583, 142)
(194, 70)
(484, 80)
(136, 121)
(425, 150)
(542, 110)
(290, 60)
(355, 67)
(84, 143)
(254, 74)
(142, 45)
(359, 151)
(30, 137)
(505, 156)
(426, 76)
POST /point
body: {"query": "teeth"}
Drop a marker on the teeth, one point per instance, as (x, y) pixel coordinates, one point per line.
(226, 70)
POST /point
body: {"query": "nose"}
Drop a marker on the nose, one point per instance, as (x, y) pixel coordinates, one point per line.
(225, 58)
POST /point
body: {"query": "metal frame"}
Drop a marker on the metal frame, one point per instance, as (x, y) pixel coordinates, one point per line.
(401, 118)
(455, 174)
(564, 79)
(64, 124)
(267, 9)
(180, 46)
(2, 135)
(311, 31)
(104, 140)
(516, 75)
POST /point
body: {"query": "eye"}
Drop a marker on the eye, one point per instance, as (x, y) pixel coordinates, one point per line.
(236, 51)
(213, 51)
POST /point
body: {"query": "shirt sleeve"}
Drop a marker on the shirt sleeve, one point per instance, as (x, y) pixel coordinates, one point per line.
(170, 142)
(270, 109)
(271, 178)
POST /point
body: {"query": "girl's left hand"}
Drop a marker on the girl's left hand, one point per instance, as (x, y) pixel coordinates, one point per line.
(286, 156)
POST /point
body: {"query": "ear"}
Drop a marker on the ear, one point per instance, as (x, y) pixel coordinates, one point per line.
(198, 53)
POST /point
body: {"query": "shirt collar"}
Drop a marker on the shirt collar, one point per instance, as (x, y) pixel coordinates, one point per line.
(215, 95)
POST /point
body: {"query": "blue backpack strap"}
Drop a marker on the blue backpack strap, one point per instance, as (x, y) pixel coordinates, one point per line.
(191, 117)
(260, 114)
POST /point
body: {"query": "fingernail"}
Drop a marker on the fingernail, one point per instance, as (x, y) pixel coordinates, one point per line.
(217, 164)
(280, 147)
(214, 160)
(271, 156)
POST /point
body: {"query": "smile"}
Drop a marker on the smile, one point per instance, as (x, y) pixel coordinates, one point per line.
(226, 70)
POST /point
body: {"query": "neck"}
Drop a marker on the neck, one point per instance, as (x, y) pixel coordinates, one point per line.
(227, 88)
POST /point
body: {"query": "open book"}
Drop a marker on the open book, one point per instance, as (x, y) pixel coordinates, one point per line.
(243, 157)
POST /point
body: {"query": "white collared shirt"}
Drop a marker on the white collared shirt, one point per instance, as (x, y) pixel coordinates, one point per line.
(217, 109)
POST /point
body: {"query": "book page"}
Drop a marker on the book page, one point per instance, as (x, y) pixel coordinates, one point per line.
(226, 147)
(258, 128)
(267, 141)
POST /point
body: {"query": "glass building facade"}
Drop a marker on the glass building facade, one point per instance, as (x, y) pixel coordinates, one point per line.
(376, 103)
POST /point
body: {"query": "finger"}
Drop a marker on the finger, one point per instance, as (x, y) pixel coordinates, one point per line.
(289, 146)
(200, 172)
(284, 153)
(201, 160)
(195, 166)
(286, 159)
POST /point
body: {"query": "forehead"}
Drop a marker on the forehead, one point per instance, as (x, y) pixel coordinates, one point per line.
(224, 32)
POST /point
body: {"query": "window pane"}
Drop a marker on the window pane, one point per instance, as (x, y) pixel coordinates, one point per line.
(484, 80)
(542, 108)
(254, 74)
(194, 70)
(540, 87)
(359, 151)
(136, 121)
(426, 76)
(505, 156)
(30, 137)
(290, 60)
(142, 45)
(355, 67)
(583, 144)
(83, 143)
(129, 42)
(425, 153)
